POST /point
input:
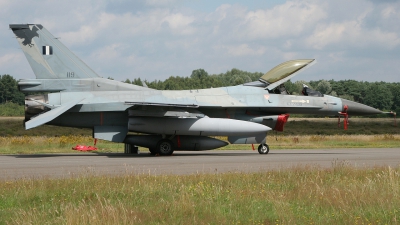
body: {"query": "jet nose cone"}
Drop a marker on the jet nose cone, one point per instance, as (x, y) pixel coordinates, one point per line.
(355, 108)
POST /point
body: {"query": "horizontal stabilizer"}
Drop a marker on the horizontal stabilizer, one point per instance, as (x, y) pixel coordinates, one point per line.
(50, 115)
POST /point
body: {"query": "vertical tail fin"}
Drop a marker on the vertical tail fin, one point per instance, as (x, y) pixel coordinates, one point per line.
(48, 57)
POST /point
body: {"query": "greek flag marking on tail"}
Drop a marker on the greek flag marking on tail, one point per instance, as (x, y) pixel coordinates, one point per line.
(49, 59)
(47, 50)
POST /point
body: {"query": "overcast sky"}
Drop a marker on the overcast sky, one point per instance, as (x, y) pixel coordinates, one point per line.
(155, 39)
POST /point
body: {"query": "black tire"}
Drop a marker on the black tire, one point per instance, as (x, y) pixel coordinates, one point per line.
(263, 149)
(153, 151)
(165, 147)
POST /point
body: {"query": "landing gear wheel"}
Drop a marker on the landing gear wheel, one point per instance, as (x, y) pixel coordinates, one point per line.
(153, 151)
(263, 149)
(165, 147)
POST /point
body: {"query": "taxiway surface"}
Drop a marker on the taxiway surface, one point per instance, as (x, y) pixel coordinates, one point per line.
(67, 165)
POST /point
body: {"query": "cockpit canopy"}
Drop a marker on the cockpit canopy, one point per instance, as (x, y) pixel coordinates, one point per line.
(281, 73)
(284, 70)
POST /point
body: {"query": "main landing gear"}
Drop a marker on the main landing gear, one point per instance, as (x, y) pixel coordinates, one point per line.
(263, 149)
(131, 149)
(164, 147)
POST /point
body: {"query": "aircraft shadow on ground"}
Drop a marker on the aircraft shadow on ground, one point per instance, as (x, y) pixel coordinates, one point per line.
(148, 155)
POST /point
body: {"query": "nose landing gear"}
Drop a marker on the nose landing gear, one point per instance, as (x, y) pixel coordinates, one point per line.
(263, 149)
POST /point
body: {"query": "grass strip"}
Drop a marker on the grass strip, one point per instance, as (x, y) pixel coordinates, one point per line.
(301, 195)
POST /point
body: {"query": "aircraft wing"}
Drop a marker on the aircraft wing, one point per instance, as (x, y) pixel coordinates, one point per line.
(164, 110)
(50, 115)
(162, 104)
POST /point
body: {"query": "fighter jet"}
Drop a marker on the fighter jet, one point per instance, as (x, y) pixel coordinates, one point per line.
(163, 121)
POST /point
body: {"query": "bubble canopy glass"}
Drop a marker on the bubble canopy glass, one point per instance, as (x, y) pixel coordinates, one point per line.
(284, 70)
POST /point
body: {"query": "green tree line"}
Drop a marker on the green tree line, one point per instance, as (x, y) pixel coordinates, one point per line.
(11, 100)
(381, 95)
(200, 79)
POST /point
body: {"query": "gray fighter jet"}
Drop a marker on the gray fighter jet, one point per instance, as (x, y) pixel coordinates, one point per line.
(162, 121)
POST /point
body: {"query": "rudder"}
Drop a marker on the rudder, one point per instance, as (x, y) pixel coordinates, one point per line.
(48, 57)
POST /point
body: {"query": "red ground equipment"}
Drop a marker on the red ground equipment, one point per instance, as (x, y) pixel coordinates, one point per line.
(84, 148)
